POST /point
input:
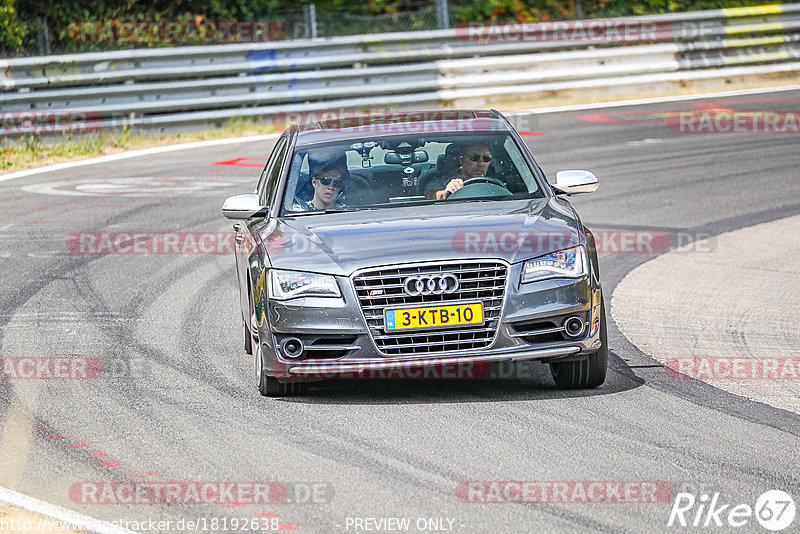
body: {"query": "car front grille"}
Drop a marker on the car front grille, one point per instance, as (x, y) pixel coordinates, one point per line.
(382, 288)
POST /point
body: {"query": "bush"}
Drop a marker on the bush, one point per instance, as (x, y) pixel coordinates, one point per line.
(12, 30)
(20, 19)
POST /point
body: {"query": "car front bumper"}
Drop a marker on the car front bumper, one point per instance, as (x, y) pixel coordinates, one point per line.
(322, 369)
(338, 341)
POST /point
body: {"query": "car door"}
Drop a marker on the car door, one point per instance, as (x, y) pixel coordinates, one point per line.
(246, 235)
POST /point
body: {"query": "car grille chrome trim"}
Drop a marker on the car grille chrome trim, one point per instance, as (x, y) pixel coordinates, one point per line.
(311, 348)
(479, 280)
(539, 332)
(438, 344)
(417, 333)
(384, 276)
(400, 286)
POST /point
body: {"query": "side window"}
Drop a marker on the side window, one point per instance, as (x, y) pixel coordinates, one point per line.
(271, 172)
(518, 174)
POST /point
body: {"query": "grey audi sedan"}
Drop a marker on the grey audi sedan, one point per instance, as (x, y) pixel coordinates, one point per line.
(413, 240)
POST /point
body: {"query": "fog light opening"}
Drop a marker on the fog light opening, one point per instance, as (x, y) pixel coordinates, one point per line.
(292, 347)
(574, 326)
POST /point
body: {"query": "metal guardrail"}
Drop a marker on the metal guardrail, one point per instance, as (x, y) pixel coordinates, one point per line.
(191, 62)
(185, 85)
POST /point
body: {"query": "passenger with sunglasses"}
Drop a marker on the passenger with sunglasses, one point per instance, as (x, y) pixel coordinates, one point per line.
(329, 177)
(474, 159)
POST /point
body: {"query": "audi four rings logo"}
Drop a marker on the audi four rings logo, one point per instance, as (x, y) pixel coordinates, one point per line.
(430, 284)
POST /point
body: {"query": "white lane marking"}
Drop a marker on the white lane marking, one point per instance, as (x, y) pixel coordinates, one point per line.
(6, 227)
(133, 154)
(141, 186)
(66, 317)
(47, 254)
(648, 141)
(654, 100)
(48, 314)
(80, 522)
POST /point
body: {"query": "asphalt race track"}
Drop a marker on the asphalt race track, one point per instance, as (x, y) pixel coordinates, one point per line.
(176, 399)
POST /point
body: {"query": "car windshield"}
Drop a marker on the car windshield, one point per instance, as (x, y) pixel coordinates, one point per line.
(387, 172)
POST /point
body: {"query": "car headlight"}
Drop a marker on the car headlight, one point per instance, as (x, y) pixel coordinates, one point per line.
(569, 263)
(292, 284)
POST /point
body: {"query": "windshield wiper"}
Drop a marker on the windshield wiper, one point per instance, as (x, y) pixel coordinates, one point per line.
(464, 200)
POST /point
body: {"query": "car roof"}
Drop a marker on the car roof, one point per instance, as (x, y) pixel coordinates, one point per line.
(352, 126)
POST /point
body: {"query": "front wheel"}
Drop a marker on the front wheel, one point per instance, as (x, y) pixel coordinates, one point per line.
(269, 386)
(248, 340)
(588, 372)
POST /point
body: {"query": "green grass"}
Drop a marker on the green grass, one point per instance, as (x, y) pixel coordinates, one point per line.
(35, 151)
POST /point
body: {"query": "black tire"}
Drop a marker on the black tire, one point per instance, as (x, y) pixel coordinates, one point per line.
(248, 340)
(272, 387)
(269, 386)
(588, 372)
(249, 332)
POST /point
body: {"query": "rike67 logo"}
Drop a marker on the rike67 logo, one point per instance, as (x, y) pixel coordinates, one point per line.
(774, 510)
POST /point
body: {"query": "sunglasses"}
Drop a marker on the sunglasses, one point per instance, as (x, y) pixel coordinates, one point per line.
(338, 184)
(475, 158)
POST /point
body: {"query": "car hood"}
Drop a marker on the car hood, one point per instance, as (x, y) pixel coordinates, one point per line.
(341, 243)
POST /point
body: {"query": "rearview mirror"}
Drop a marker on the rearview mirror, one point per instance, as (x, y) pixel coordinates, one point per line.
(397, 158)
(243, 207)
(574, 182)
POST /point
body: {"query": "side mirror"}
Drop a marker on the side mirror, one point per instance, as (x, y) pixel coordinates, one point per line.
(574, 182)
(243, 207)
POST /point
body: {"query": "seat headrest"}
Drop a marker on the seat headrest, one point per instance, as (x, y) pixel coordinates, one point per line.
(448, 162)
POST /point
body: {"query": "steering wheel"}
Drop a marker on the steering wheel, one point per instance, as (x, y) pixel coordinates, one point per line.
(484, 180)
(493, 187)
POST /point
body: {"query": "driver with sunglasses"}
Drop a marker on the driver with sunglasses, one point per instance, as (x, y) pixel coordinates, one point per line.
(474, 159)
(329, 177)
